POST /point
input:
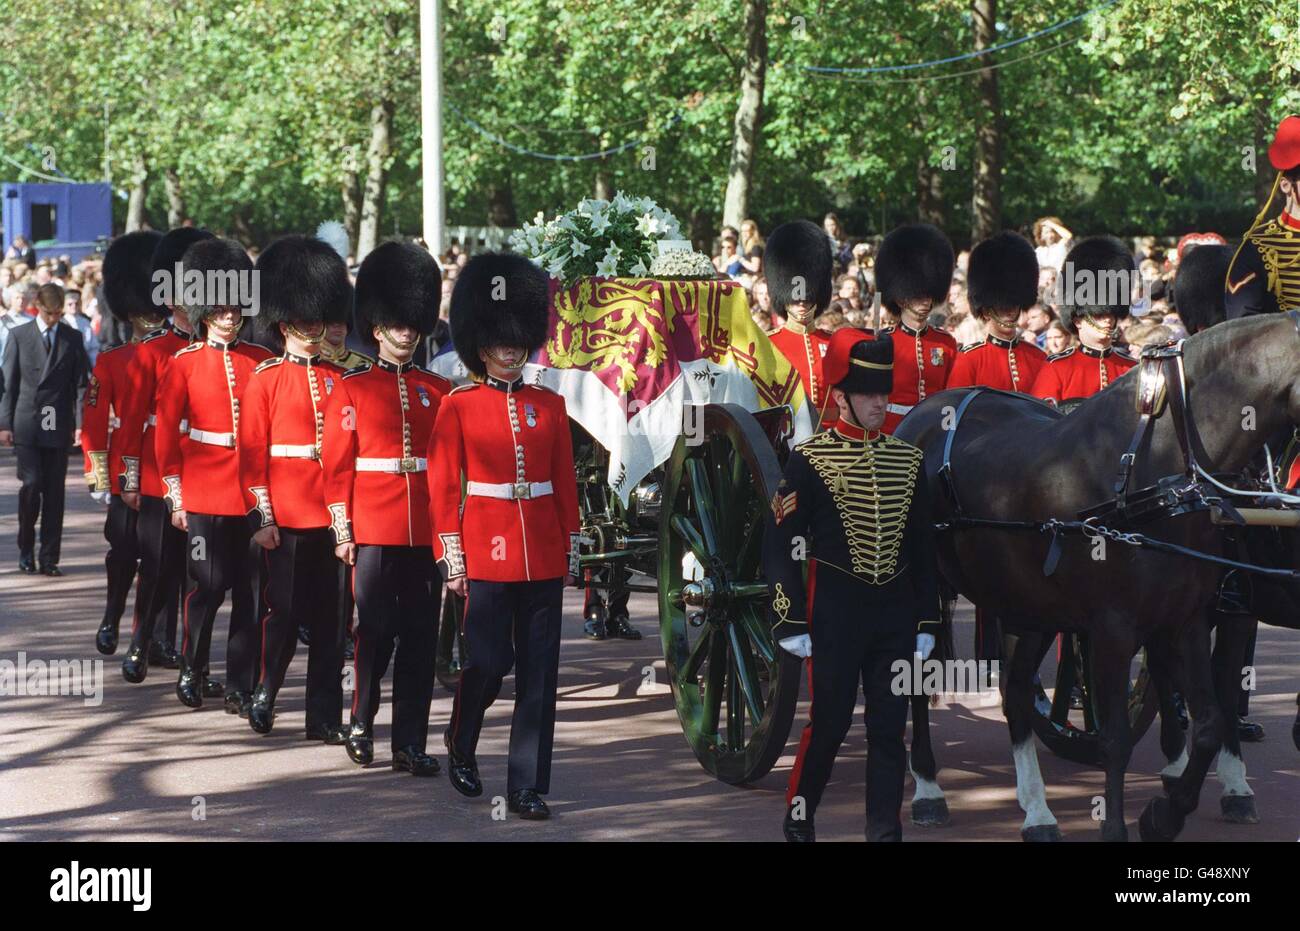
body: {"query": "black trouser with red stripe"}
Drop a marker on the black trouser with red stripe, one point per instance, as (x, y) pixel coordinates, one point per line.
(121, 559)
(856, 639)
(219, 560)
(300, 588)
(162, 572)
(512, 624)
(393, 586)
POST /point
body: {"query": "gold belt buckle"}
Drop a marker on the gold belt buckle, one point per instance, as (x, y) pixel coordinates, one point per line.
(407, 464)
(521, 490)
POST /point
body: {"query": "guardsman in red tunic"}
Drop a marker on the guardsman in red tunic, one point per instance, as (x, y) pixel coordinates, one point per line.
(301, 282)
(162, 546)
(913, 272)
(797, 266)
(1097, 285)
(127, 265)
(377, 426)
(1001, 282)
(512, 545)
(204, 387)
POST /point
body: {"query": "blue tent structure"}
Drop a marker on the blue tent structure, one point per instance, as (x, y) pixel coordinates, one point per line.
(58, 219)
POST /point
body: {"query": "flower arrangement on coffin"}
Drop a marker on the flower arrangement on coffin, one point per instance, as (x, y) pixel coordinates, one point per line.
(612, 239)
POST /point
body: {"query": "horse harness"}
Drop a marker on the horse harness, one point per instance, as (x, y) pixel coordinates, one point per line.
(1162, 383)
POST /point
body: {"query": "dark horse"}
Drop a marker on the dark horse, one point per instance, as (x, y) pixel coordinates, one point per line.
(1243, 386)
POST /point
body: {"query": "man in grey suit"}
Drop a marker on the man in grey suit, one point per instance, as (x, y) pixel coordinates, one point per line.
(45, 368)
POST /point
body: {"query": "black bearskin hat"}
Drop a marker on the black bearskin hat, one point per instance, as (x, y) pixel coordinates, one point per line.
(399, 284)
(127, 273)
(300, 280)
(1003, 273)
(797, 265)
(499, 300)
(227, 279)
(1097, 279)
(1198, 286)
(171, 249)
(914, 261)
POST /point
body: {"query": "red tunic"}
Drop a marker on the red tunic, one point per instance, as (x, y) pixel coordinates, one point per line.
(1080, 372)
(102, 438)
(281, 427)
(923, 361)
(147, 367)
(380, 412)
(504, 434)
(1008, 364)
(805, 351)
(204, 385)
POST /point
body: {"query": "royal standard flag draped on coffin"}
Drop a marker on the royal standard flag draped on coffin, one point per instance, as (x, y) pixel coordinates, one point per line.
(629, 354)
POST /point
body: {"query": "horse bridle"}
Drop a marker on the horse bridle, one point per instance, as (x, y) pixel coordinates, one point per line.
(1155, 388)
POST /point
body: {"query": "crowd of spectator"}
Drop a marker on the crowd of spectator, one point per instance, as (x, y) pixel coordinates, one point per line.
(1154, 319)
(22, 276)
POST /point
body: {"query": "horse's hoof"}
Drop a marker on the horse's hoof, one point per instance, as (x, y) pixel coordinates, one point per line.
(1239, 809)
(1168, 783)
(930, 812)
(1041, 833)
(1154, 825)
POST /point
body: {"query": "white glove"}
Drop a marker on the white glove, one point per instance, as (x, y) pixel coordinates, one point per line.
(924, 645)
(100, 497)
(800, 645)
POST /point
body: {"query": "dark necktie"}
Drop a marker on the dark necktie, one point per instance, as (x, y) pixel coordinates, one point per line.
(49, 340)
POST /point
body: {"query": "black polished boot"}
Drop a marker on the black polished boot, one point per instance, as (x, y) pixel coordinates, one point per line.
(261, 711)
(462, 772)
(360, 744)
(240, 703)
(27, 565)
(415, 761)
(136, 665)
(619, 626)
(171, 657)
(189, 687)
(106, 638)
(1249, 731)
(527, 804)
(335, 735)
(798, 831)
(211, 687)
(594, 625)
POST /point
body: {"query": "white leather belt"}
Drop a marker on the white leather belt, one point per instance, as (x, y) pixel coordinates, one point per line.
(396, 466)
(509, 490)
(213, 439)
(152, 421)
(289, 451)
(899, 408)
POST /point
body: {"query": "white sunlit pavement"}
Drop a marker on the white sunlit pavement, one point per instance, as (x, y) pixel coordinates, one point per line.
(140, 766)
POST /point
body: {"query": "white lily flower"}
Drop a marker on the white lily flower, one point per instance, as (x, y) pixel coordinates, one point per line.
(607, 267)
(613, 251)
(639, 270)
(599, 223)
(578, 248)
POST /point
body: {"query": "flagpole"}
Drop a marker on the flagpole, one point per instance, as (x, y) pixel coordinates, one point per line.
(434, 205)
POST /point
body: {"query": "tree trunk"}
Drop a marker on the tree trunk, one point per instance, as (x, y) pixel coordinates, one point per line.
(372, 198)
(501, 206)
(139, 190)
(702, 231)
(1264, 172)
(604, 186)
(929, 192)
(351, 195)
(986, 204)
(175, 200)
(749, 115)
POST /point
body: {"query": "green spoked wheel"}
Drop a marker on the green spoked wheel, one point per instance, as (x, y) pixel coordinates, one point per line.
(451, 645)
(734, 688)
(1073, 734)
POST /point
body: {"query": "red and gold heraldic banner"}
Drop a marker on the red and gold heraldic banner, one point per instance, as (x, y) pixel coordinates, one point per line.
(629, 354)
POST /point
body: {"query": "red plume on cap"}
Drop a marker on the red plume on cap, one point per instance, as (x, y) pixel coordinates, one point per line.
(1284, 153)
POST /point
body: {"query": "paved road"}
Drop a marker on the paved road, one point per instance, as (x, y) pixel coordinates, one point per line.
(140, 766)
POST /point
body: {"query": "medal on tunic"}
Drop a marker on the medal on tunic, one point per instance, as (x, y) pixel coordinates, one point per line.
(936, 356)
(530, 415)
(329, 385)
(424, 395)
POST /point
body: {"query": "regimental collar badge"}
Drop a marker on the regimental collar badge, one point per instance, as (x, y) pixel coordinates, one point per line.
(500, 384)
(394, 367)
(1096, 353)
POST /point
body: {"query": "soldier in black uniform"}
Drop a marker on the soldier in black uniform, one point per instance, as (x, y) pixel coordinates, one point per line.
(853, 505)
(1264, 276)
